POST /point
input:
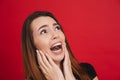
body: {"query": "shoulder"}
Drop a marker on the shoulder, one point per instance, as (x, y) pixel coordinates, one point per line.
(89, 69)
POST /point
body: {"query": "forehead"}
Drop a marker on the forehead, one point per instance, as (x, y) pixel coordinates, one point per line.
(43, 20)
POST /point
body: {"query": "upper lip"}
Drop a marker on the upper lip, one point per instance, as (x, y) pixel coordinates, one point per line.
(55, 42)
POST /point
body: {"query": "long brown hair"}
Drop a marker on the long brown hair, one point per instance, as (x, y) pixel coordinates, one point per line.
(32, 71)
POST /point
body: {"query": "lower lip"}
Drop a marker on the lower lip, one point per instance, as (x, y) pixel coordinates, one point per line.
(57, 52)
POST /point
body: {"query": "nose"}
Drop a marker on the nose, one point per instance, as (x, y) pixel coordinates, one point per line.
(55, 35)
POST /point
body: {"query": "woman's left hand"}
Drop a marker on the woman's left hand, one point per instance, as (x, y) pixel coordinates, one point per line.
(67, 66)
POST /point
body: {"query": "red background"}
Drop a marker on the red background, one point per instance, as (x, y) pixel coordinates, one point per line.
(92, 28)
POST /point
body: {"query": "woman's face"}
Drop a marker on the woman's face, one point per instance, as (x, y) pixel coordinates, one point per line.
(48, 37)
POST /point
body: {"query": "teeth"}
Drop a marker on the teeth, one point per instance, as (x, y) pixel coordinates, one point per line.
(56, 44)
(56, 47)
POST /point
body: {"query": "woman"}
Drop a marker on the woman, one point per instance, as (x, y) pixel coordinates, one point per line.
(46, 53)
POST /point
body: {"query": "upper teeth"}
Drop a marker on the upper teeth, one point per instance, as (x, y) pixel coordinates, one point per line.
(56, 44)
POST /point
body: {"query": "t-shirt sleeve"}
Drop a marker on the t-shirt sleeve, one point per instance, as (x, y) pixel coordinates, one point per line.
(89, 69)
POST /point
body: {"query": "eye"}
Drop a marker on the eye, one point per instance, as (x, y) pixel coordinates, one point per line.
(57, 28)
(43, 31)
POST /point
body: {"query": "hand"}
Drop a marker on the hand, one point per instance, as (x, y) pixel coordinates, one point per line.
(48, 67)
(96, 78)
(67, 66)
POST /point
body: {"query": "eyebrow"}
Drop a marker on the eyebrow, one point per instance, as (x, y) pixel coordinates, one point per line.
(54, 24)
(42, 27)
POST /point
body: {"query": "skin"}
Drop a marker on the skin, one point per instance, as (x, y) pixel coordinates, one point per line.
(96, 78)
(46, 32)
(46, 36)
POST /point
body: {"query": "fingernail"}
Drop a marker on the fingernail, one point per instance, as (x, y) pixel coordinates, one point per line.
(36, 51)
(40, 51)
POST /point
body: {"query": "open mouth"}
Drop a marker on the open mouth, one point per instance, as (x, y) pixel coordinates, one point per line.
(56, 47)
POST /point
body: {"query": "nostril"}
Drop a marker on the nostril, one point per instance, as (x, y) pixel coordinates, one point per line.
(55, 37)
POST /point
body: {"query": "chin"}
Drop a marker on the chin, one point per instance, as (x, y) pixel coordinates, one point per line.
(58, 58)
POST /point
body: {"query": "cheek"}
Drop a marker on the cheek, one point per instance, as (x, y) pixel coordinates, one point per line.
(41, 43)
(63, 36)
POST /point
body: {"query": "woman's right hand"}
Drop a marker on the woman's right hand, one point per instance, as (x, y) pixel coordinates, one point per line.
(48, 67)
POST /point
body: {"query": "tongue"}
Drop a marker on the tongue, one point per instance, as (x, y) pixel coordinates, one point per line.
(55, 48)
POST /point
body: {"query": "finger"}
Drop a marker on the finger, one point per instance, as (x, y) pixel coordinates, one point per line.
(40, 61)
(66, 53)
(66, 58)
(50, 60)
(66, 61)
(44, 58)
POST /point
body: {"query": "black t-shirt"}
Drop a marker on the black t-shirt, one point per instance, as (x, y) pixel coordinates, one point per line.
(89, 69)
